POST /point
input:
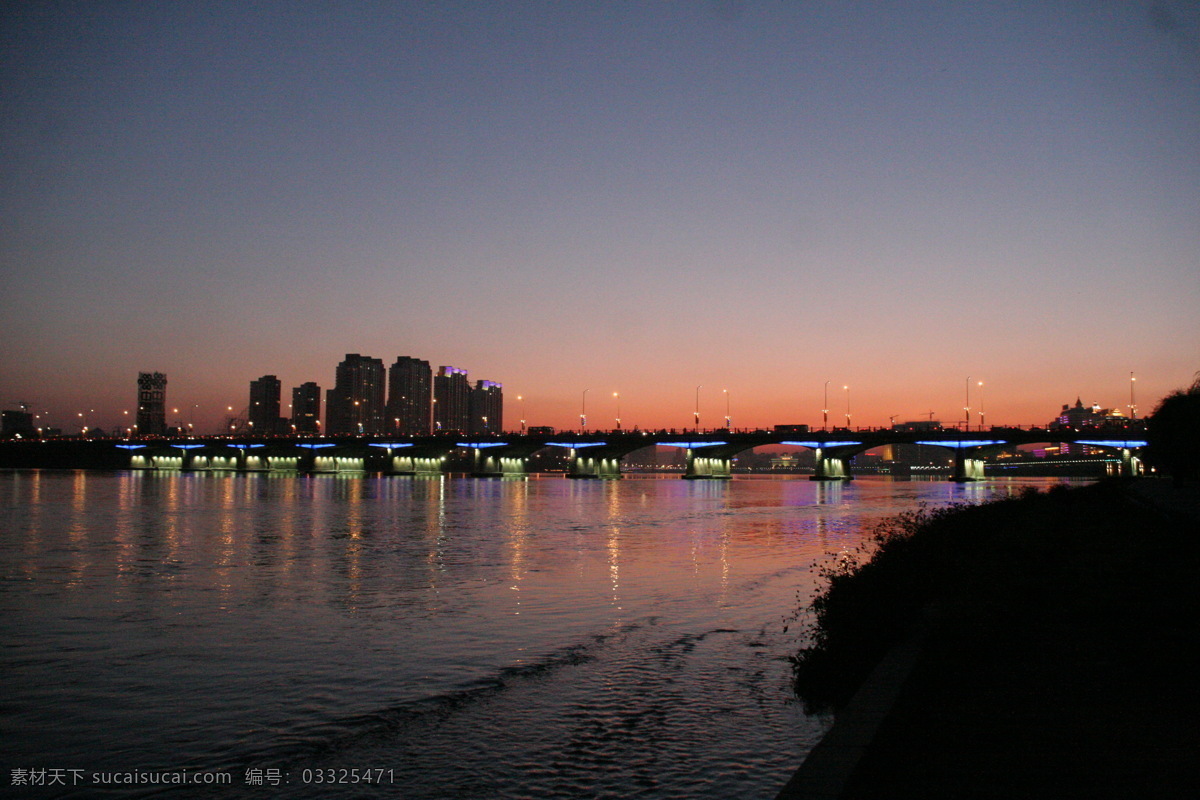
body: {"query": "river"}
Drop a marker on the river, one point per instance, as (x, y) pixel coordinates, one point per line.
(349, 636)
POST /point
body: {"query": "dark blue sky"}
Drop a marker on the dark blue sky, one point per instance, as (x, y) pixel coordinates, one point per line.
(634, 197)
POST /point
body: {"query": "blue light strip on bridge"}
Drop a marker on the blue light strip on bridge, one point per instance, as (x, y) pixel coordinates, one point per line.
(964, 444)
(482, 444)
(132, 446)
(575, 445)
(816, 445)
(315, 446)
(187, 446)
(1114, 442)
(390, 445)
(692, 445)
(247, 446)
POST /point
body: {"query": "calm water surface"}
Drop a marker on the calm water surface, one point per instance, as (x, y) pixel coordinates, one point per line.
(541, 638)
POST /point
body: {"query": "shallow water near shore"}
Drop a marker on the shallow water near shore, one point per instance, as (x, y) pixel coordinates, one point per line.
(455, 637)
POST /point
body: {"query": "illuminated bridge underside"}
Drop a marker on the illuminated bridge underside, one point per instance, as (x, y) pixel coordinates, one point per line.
(598, 456)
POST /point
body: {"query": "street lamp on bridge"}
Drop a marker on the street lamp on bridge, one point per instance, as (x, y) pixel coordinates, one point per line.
(728, 418)
(967, 406)
(825, 410)
(697, 408)
(617, 396)
(847, 388)
(981, 421)
(583, 411)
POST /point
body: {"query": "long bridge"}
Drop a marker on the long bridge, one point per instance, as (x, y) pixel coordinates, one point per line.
(597, 454)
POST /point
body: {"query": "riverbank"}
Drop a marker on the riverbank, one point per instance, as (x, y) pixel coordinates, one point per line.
(1053, 658)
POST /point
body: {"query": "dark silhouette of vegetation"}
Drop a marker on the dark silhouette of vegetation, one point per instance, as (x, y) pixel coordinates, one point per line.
(1173, 433)
(1066, 551)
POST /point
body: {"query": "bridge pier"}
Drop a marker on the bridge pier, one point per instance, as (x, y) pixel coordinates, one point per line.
(966, 469)
(595, 467)
(1131, 465)
(424, 466)
(831, 467)
(489, 465)
(708, 467)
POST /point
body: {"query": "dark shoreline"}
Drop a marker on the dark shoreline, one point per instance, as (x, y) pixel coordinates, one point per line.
(1050, 643)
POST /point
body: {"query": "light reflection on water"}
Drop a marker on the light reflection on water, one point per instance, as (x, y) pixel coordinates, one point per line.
(546, 637)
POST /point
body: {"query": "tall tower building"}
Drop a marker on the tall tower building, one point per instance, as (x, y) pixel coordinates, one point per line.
(355, 403)
(410, 387)
(306, 408)
(263, 411)
(152, 404)
(487, 408)
(451, 400)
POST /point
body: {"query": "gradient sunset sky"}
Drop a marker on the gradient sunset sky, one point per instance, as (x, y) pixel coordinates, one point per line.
(633, 197)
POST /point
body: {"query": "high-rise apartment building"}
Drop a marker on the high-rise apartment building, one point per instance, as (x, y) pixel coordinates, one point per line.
(152, 404)
(306, 408)
(263, 411)
(355, 404)
(410, 387)
(487, 408)
(451, 400)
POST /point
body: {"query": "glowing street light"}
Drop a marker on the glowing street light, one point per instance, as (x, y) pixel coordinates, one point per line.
(697, 408)
(981, 421)
(728, 418)
(583, 411)
(617, 395)
(847, 388)
(521, 400)
(1132, 402)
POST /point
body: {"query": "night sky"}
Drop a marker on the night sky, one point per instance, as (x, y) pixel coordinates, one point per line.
(642, 197)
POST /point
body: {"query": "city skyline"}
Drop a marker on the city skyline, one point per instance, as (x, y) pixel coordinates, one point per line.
(451, 404)
(584, 201)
